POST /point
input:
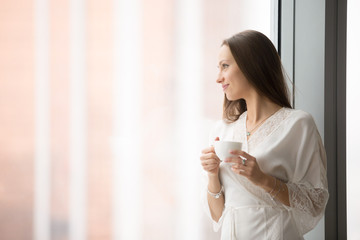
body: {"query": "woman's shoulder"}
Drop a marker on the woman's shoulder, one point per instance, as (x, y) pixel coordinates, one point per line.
(301, 117)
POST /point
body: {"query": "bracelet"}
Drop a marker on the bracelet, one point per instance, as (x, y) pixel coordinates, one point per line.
(281, 188)
(274, 196)
(216, 195)
(273, 187)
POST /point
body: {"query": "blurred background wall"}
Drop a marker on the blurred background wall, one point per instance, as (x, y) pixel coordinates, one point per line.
(104, 109)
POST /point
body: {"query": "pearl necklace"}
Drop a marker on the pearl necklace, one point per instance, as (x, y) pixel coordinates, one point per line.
(248, 133)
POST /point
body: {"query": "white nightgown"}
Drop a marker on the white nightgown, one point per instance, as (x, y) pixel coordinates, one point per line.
(287, 146)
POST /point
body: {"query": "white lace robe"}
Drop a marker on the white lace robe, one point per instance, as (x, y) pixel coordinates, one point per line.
(288, 147)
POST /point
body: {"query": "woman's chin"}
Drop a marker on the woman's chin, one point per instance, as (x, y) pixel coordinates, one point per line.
(231, 98)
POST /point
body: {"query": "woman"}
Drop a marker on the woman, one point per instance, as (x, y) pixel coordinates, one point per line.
(276, 187)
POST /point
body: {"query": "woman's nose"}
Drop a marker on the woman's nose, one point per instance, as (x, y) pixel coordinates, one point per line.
(220, 78)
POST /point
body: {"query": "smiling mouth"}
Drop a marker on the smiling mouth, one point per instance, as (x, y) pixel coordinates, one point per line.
(225, 87)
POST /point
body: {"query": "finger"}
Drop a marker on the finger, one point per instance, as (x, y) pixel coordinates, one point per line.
(209, 162)
(239, 166)
(208, 150)
(205, 157)
(209, 156)
(239, 171)
(243, 154)
(234, 159)
(207, 167)
(210, 168)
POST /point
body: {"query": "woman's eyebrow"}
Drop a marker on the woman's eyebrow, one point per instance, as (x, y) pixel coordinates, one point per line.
(223, 61)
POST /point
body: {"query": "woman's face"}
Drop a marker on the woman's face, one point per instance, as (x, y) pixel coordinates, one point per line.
(233, 81)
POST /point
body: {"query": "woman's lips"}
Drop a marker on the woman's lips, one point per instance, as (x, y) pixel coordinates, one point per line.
(225, 87)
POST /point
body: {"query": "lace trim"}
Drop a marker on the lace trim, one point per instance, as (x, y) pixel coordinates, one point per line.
(269, 126)
(308, 204)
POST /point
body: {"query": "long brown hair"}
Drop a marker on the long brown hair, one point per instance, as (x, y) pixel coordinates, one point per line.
(260, 63)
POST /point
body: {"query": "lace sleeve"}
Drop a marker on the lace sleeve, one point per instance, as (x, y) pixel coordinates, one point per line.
(308, 192)
(307, 204)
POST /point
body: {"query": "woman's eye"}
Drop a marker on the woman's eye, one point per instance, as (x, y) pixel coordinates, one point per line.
(223, 66)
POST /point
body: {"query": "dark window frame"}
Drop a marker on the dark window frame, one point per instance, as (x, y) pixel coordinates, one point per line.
(335, 117)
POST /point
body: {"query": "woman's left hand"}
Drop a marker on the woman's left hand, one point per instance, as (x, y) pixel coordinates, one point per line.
(247, 167)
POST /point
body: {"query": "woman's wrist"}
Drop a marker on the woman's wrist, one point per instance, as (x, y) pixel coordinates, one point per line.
(268, 183)
(274, 187)
(213, 177)
(217, 194)
(214, 184)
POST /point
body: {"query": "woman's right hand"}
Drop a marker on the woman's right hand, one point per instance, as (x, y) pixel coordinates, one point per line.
(210, 161)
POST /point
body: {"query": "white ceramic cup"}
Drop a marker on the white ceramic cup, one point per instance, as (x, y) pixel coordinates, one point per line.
(223, 148)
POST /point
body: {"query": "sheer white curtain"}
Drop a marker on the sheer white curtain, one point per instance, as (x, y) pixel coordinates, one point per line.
(117, 99)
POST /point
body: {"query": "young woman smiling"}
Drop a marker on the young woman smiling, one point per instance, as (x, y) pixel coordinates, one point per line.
(276, 186)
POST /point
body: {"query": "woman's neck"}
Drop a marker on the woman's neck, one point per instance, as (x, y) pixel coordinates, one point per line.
(259, 108)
